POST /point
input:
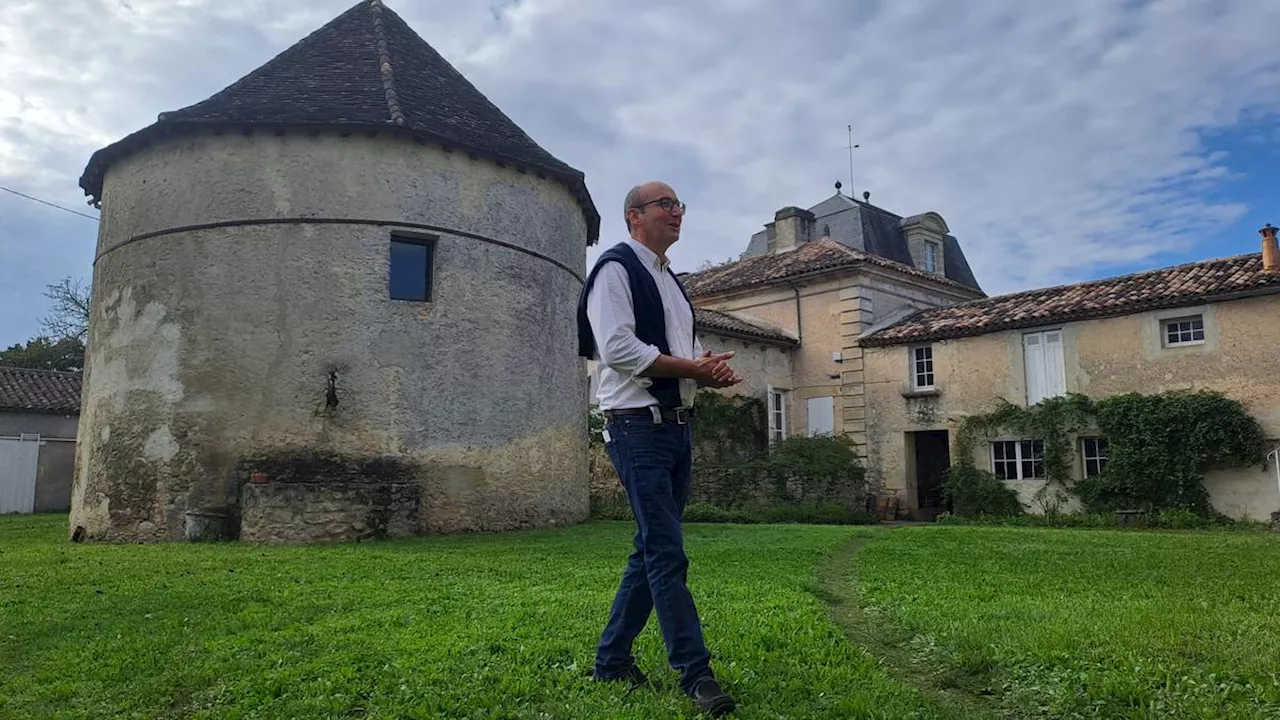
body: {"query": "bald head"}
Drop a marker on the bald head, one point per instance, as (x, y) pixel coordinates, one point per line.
(654, 214)
(641, 194)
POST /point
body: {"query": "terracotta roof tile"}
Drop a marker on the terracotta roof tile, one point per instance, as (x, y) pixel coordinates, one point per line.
(1169, 287)
(736, 325)
(811, 257)
(44, 391)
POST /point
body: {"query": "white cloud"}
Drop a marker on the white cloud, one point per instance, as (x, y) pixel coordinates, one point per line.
(1055, 138)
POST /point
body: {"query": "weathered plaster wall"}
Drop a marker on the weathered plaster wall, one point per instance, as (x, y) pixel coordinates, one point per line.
(55, 469)
(834, 311)
(1101, 358)
(816, 322)
(212, 347)
(759, 364)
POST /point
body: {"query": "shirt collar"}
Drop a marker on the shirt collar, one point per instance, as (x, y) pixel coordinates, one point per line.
(648, 256)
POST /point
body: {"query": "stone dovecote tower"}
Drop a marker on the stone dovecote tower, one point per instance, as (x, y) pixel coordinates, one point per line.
(334, 300)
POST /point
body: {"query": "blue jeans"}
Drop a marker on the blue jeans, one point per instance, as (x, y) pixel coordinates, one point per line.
(655, 464)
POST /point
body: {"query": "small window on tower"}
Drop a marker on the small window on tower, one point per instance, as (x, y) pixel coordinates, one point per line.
(411, 264)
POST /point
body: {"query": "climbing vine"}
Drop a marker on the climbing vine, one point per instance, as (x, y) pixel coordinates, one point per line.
(1054, 421)
(1159, 446)
(736, 467)
(730, 428)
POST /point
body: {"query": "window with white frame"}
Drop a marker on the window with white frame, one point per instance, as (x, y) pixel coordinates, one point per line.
(1183, 331)
(1042, 360)
(922, 367)
(930, 257)
(777, 414)
(1094, 452)
(1017, 459)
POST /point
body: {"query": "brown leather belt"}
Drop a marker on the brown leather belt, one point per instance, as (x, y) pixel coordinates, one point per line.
(679, 416)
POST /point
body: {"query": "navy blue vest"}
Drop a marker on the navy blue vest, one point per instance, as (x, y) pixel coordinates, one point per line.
(651, 326)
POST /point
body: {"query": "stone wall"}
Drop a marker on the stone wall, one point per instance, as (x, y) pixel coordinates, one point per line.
(317, 512)
(241, 309)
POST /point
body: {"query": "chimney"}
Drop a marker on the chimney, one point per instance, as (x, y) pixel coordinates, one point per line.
(1270, 252)
(791, 228)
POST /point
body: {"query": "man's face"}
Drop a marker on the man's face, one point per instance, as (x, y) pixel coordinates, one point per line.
(659, 216)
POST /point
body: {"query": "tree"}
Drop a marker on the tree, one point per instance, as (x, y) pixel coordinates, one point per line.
(61, 344)
(70, 315)
(42, 353)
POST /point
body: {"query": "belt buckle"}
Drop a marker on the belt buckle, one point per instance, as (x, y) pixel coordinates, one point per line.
(682, 416)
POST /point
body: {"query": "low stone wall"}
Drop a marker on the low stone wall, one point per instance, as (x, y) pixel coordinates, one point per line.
(329, 511)
(730, 487)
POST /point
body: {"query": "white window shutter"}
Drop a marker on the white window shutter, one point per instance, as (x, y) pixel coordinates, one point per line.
(1033, 362)
(822, 415)
(1054, 368)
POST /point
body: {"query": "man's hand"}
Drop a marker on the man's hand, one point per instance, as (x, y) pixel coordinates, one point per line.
(714, 372)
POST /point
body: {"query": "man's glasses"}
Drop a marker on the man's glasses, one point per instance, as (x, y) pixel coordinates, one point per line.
(665, 203)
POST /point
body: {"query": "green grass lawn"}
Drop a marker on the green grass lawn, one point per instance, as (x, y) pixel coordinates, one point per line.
(956, 621)
(1067, 623)
(465, 627)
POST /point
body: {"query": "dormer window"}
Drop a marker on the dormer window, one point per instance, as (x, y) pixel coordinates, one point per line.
(931, 257)
(925, 235)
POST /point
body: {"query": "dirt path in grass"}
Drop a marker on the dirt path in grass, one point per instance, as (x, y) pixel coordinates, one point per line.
(889, 645)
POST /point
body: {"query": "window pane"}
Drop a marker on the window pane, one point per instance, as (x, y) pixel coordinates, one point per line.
(410, 268)
(1184, 331)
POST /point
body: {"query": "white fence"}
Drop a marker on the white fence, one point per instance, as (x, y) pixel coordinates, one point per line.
(19, 463)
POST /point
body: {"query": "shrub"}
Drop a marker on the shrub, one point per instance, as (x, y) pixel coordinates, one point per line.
(974, 492)
(707, 513)
(816, 469)
(826, 513)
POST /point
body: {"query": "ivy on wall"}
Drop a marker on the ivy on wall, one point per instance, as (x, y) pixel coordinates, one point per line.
(1159, 449)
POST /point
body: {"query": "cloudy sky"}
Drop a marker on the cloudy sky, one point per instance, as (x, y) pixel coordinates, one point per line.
(1061, 141)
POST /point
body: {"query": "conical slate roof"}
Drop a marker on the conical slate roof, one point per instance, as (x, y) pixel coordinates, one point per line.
(366, 68)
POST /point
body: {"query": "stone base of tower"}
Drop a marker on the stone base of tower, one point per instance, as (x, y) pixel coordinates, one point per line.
(307, 495)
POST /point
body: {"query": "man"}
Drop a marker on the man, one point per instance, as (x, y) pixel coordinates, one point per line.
(636, 321)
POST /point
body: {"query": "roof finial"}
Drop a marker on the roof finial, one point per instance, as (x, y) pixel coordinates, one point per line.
(838, 186)
(866, 196)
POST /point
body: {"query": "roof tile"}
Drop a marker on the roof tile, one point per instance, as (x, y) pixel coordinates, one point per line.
(366, 68)
(1170, 287)
(43, 391)
(815, 256)
(735, 324)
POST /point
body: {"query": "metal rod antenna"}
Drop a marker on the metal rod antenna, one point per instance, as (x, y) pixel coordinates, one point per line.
(851, 146)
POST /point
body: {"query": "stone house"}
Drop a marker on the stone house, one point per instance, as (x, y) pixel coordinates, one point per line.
(1204, 325)
(316, 294)
(762, 352)
(823, 275)
(39, 411)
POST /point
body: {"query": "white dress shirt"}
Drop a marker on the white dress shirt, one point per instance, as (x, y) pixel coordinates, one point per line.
(620, 355)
